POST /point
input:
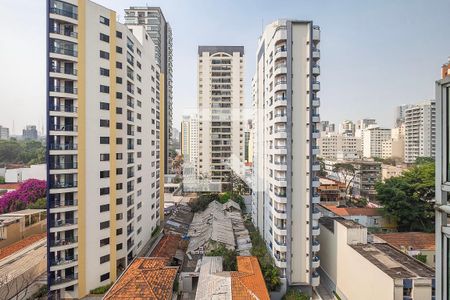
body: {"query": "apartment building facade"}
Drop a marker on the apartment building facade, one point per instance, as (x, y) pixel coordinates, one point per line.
(420, 131)
(442, 184)
(160, 31)
(4, 133)
(103, 156)
(373, 138)
(332, 146)
(284, 190)
(220, 112)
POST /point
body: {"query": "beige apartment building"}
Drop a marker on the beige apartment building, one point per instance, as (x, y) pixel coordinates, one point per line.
(18, 225)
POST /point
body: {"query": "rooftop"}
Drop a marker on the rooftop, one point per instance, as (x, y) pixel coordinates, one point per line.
(9, 186)
(145, 278)
(353, 211)
(393, 262)
(328, 223)
(245, 283)
(167, 246)
(22, 244)
(24, 212)
(408, 240)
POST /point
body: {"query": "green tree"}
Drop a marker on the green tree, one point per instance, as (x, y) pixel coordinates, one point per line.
(424, 160)
(39, 204)
(322, 172)
(409, 198)
(25, 152)
(346, 174)
(229, 257)
(295, 294)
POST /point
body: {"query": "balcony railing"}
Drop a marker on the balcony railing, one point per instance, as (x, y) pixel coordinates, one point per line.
(64, 51)
(63, 127)
(280, 147)
(63, 89)
(63, 70)
(63, 185)
(61, 223)
(65, 242)
(63, 165)
(63, 203)
(63, 147)
(60, 280)
(62, 12)
(63, 261)
(63, 108)
(64, 32)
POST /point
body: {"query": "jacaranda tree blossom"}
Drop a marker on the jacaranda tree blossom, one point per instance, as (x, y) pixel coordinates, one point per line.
(29, 192)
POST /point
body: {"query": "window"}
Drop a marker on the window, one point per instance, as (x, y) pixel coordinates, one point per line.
(104, 207)
(104, 174)
(119, 156)
(104, 156)
(104, 259)
(119, 141)
(119, 49)
(119, 171)
(139, 205)
(119, 34)
(104, 140)
(118, 125)
(139, 103)
(119, 216)
(138, 52)
(118, 65)
(104, 276)
(104, 72)
(104, 123)
(119, 247)
(119, 201)
(119, 80)
(104, 242)
(139, 129)
(119, 231)
(118, 95)
(104, 37)
(139, 65)
(139, 116)
(119, 110)
(104, 106)
(104, 225)
(104, 191)
(104, 89)
(119, 186)
(139, 91)
(104, 54)
(138, 78)
(104, 20)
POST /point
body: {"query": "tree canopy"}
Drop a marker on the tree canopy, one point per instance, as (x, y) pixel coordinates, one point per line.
(409, 198)
(25, 152)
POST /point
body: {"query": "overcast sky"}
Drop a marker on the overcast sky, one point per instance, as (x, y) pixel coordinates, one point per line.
(374, 54)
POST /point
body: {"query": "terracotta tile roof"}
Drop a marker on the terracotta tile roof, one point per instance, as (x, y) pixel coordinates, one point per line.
(167, 246)
(248, 282)
(405, 240)
(17, 246)
(9, 186)
(353, 211)
(146, 278)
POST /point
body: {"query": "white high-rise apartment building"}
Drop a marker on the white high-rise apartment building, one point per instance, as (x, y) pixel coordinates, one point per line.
(347, 128)
(4, 133)
(332, 146)
(286, 128)
(160, 32)
(373, 138)
(420, 131)
(103, 146)
(400, 114)
(189, 139)
(220, 111)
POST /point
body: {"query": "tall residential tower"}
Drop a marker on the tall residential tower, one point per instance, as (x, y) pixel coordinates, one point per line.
(286, 128)
(102, 146)
(220, 111)
(159, 30)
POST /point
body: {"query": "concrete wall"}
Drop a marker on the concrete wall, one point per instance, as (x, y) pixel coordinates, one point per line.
(22, 174)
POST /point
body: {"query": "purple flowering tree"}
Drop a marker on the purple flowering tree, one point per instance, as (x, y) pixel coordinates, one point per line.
(29, 192)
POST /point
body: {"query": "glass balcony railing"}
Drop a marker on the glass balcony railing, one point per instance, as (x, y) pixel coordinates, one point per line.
(62, 12)
(65, 222)
(64, 32)
(63, 108)
(63, 146)
(56, 203)
(63, 165)
(63, 261)
(63, 127)
(63, 70)
(63, 89)
(64, 51)
(65, 242)
(60, 280)
(63, 184)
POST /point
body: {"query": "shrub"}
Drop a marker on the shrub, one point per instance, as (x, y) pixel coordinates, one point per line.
(229, 257)
(294, 294)
(28, 192)
(101, 289)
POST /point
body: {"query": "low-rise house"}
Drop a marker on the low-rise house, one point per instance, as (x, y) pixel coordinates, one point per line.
(370, 217)
(13, 175)
(17, 225)
(331, 190)
(145, 278)
(388, 171)
(420, 245)
(245, 283)
(353, 268)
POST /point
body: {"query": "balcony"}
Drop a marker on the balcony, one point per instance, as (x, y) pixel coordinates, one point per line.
(315, 262)
(281, 100)
(56, 203)
(63, 89)
(62, 263)
(316, 231)
(316, 54)
(316, 70)
(315, 102)
(316, 214)
(63, 70)
(315, 279)
(316, 33)
(63, 108)
(63, 147)
(315, 247)
(315, 134)
(279, 213)
(280, 52)
(316, 198)
(63, 51)
(63, 165)
(316, 166)
(62, 12)
(60, 31)
(315, 150)
(315, 182)
(62, 282)
(316, 86)
(58, 245)
(62, 223)
(315, 118)
(64, 129)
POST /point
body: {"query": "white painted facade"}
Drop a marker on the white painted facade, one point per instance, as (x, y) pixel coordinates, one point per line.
(333, 145)
(373, 138)
(420, 131)
(286, 124)
(220, 111)
(103, 141)
(22, 174)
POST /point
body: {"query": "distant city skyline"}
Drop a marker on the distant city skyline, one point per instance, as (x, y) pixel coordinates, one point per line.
(375, 56)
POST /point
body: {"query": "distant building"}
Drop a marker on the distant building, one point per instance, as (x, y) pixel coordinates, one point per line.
(353, 268)
(373, 138)
(189, 141)
(371, 217)
(363, 124)
(413, 244)
(4, 133)
(420, 131)
(21, 174)
(400, 114)
(30, 133)
(331, 190)
(18, 225)
(388, 171)
(332, 146)
(347, 128)
(368, 173)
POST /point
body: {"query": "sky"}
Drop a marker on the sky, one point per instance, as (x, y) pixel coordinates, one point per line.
(375, 55)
